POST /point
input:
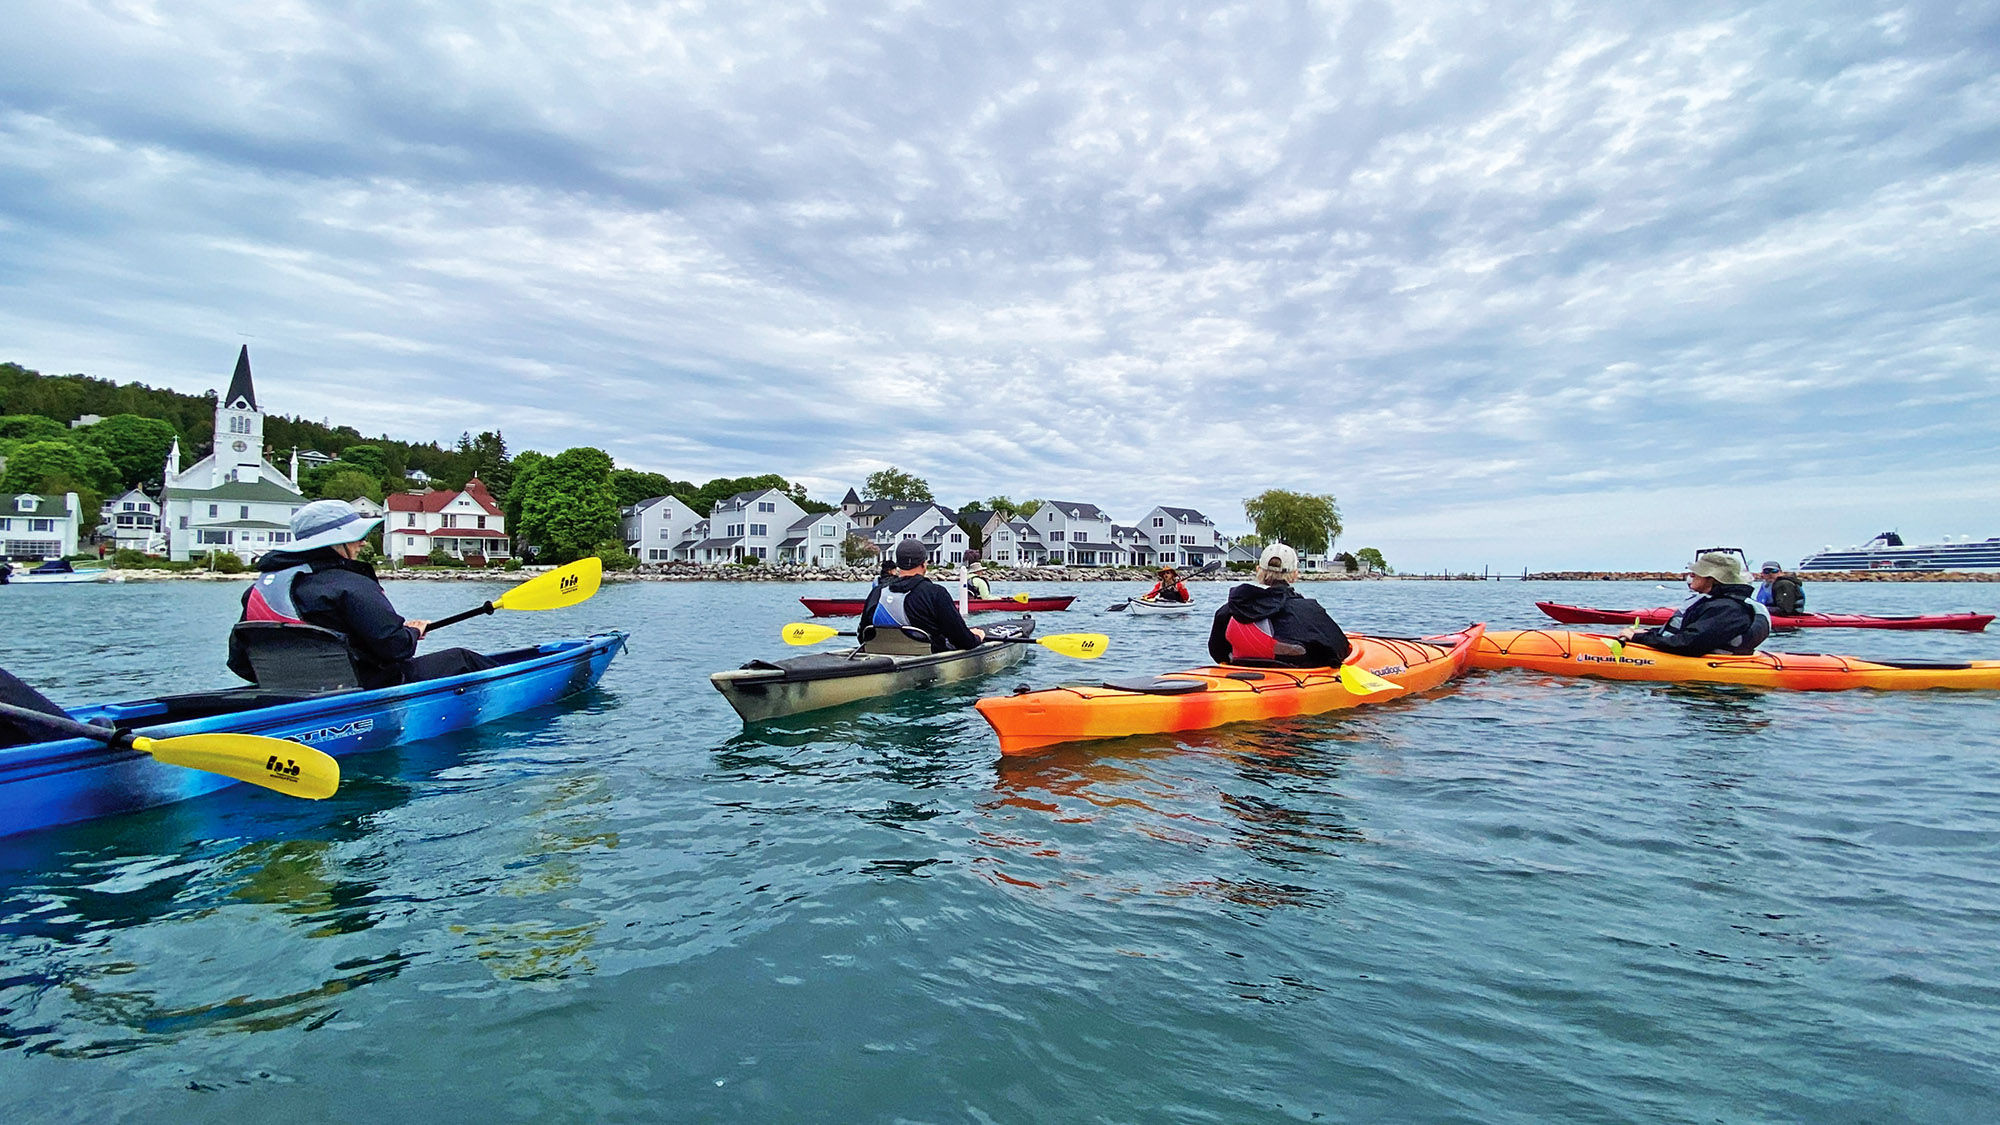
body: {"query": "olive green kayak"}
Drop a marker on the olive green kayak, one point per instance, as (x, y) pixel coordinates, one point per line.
(771, 689)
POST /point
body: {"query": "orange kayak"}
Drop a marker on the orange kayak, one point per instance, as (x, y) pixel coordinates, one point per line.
(1588, 654)
(1216, 694)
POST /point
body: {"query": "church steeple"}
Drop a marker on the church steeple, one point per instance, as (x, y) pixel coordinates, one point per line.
(241, 395)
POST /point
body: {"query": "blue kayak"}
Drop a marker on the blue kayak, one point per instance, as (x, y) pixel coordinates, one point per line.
(44, 784)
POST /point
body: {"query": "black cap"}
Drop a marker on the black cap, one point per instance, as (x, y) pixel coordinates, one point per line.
(911, 554)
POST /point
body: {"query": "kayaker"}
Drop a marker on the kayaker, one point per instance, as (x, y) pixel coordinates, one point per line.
(319, 580)
(976, 585)
(912, 600)
(1721, 616)
(1268, 621)
(1784, 593)
(1169, 588)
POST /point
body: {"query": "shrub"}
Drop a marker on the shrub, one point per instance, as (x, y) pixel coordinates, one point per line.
(226, 562)
(511, 564)
(125, 558)
(615, 557)
(441, 557)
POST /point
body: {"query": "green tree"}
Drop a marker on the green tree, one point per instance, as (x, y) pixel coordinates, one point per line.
(369, 459)
(971, 520)
(722, 488)
(1306, 522)
(1348, 562)
(632, 486)
(525, 467)
(614, 556)
(1373, 560)
(569, 506)
(1254, 542)
(35, 466)
(857, 551)
(1026, 509)
(893, 483)
(32, 427)
(346, 484)
(137, 447)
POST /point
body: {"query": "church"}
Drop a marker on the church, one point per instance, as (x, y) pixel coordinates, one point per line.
(233, 499)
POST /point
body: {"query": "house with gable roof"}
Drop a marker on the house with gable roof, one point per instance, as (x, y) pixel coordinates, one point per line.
(934, 525)
(748, 525)
(1180, 537)
(816, 539)
(34, 526)
(467, 525)
(234, 499)
(131, 522)
(1077, 534)
(654, 528)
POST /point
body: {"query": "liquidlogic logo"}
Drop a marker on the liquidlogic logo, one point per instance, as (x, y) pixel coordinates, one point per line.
(568, 584)
(1593, 658)
(329, 734)
(1390, 670)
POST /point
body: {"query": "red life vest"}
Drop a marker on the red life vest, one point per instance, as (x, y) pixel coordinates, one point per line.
(1254, 640)
(270, 597)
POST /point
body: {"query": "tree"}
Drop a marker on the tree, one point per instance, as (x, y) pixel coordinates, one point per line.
(1373, 560)
(369, 459)
(1308, 523)
(858, 551)
(32, 427)
(722, 488)
(1026, 509)
(1254, 542)
(893, 483)
(971, 520)
(569, 506)
(525, 467)
(137, 447)
(347, 484)
(1348, 562)
(38, 466)
(632, 486)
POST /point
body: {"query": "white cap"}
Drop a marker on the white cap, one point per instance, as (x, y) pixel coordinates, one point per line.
(1278, 557)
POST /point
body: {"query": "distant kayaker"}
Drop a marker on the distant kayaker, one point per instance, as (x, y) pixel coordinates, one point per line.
(1169, 588)
(318, 580)
(1268, 621)
(912, 600)
(1721, 616)
(1784, 593)
(976, 585)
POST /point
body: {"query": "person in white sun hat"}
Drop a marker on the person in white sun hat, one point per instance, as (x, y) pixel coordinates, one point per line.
(1719, 617)
(1268, 622)
(319, 580)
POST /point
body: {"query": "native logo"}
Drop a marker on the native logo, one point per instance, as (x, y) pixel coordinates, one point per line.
(329, 734)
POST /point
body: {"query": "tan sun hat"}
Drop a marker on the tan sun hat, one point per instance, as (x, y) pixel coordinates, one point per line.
(1723, 566)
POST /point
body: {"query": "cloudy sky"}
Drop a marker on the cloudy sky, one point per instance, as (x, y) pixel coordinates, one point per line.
(1522, 284)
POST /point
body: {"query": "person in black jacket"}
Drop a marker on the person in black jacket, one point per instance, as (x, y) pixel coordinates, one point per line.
(1720, 617)
(1269, 621)
(319, 581)
(912, 600)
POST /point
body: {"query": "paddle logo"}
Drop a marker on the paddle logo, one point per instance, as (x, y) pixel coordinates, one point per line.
(568, 584)
(1087, 645)
(281, 767)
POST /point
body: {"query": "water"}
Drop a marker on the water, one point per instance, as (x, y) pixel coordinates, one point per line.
(1516, 899)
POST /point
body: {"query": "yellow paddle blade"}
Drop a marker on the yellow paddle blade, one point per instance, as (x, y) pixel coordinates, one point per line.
(806, 633)
(1361, 681)
(1021, 597)
(563, 586)
(287, 767)
(1083, 646)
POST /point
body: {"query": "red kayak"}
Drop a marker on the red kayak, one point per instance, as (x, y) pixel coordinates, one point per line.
(851, 607)
(1578, 615)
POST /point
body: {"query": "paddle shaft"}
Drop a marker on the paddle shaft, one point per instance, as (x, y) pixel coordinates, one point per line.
(67, 725)
(1191, 574)
(455, 618)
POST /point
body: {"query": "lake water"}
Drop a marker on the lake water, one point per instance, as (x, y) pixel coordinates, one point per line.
(1515, 899)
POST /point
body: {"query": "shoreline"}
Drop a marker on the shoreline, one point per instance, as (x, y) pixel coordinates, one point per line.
(1004, 575)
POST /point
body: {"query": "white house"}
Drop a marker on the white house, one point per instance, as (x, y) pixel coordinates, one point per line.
(367, 507)
(1180, 537)
(131, 522)
(688, 548)
(749, 525)
(816, 538)
(34, 527)
(468, 525)
(233, 499)
(1077, 534)
(1028, 548)
(653, 528)
(931, 524)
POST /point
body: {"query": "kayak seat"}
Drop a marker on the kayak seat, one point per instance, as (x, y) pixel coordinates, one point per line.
(1158, 687)
(897, 640)
(288, 657)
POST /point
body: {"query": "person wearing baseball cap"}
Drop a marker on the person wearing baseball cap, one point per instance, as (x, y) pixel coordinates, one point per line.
(1267, 621)
(1782, 592)
(319, 580)
(1721, 616)
(910, 605)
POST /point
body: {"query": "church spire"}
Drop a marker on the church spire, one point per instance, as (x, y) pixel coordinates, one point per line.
(173, 463)
(241, 395)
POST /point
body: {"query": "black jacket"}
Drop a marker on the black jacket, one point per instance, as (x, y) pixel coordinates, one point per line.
(1293, 617)
(1719, 621)
(929, 608)
(343, 595)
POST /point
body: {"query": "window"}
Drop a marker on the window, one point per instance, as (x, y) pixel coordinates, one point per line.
(1188, 540)
(1055, 536)
(24, 503)
(212, 538)
(41, 525)
(184, 523)
(766, 506)
(450, 520)
(128, 506)
(479, 521)
(6, 525)
(1159, 521)
(245, 514)
(666, 533)
(826, 530)
(281, 537)
(1006, 537)
(762, 552)
(957, 537)
(212, 510)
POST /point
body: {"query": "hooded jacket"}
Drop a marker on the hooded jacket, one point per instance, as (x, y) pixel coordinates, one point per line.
(1293, 617)
(343, 595)
(1722, 620)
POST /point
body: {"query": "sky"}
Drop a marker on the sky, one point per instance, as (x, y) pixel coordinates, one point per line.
(1533, 285)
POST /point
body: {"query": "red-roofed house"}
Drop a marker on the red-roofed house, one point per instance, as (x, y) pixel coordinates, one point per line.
(469, 525)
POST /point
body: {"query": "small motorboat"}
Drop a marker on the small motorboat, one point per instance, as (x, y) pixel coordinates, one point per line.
(770, 689)
(53, 572)
(43, 784)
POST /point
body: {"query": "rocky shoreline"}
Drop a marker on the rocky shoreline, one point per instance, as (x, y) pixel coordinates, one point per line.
(684, 572)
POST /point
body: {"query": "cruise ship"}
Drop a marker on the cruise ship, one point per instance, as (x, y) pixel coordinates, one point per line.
(1887, 551)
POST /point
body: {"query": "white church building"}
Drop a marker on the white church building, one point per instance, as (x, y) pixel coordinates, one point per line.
(233, 499)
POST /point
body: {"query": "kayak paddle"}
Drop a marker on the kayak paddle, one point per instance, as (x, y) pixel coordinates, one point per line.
(1083, 646)
(1120, 607)
(1360, 681)
(274, 763)
(559, 588)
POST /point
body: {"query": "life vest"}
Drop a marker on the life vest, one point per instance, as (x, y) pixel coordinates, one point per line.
(1742, 644)
(1788, 595)
(889, 609)
(1254, 640)
(271, 597)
